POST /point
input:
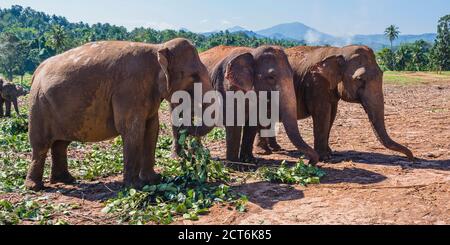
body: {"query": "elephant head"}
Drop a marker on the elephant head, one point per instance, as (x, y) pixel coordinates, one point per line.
(274, 73)
(21, 91)
(330, 69)
(181, 67)
(363, 83)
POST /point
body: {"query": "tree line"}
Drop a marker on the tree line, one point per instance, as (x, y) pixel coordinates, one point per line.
(28, 37)
(420, 55)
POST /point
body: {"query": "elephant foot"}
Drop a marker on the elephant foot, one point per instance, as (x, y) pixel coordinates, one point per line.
(325, 158)
(324, 155)
(34, 185)
(151, 179)
(64, 178)
(248, 159)
(330, 151)
(313, 157)
(263, 149)
(275, 147)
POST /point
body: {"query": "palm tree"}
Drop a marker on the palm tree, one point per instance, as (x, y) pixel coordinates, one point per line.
(392, 33)
(57, 38)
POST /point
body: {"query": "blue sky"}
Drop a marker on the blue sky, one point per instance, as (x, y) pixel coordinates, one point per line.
(337, 17)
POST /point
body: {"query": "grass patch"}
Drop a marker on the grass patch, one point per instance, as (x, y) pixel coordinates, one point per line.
(38, 210)
(399, 78)
(217, 134)
(188, 189)
(300, 174)
(414, 78)
(100, 162)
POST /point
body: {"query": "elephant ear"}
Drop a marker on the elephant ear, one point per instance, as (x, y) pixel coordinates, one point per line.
(330, 68)
(163, 59)
(239, 71)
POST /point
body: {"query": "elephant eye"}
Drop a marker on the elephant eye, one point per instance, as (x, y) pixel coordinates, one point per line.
(195, 77)
(271, 79)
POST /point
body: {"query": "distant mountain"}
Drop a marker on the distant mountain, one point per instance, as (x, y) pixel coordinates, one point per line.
(297, 31)
(236, 29)
(379, 41)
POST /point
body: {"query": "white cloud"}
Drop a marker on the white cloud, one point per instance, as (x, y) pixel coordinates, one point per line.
(204, 21)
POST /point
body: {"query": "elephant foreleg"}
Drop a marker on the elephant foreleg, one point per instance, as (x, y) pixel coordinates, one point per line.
(147, 172)
(60, 169)
(334, 108)
(322, 120)
(133, 156)
(262, 145)
(176, 147)
(16, 106)
(248, 139)
(273, 144)
(234, 137)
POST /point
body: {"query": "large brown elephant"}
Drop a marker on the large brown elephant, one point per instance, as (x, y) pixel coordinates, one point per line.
(324, 76)
(245, 69)
(100, 91)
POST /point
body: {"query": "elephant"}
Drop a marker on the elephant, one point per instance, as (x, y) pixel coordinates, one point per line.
(9, 93)
(102, 90)
(324, 76)
(251, 69)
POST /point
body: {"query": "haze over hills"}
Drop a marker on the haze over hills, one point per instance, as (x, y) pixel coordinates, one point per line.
(301, 32)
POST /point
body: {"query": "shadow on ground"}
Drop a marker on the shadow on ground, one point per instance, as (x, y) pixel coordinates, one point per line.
(389, 160)
(267, 195)
(95, 191)
(381, 159)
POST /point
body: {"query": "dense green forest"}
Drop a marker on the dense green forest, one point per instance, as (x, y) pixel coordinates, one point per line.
(420, 55)
(27, 37)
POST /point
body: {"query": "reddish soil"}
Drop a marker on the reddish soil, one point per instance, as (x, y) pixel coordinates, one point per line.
(365, 183)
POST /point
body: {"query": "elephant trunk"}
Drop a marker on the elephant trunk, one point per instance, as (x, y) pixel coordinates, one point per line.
(288, 113)
(200, 131)
(373, 104)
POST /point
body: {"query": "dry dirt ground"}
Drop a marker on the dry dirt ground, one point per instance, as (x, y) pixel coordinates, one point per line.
(365, 183)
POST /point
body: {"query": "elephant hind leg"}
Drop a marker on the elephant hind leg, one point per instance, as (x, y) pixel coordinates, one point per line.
(36, 171)
(8, 108)
(60, 170)
(2, 101)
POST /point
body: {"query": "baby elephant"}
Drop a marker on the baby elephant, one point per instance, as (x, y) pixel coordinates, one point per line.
(9, 93)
